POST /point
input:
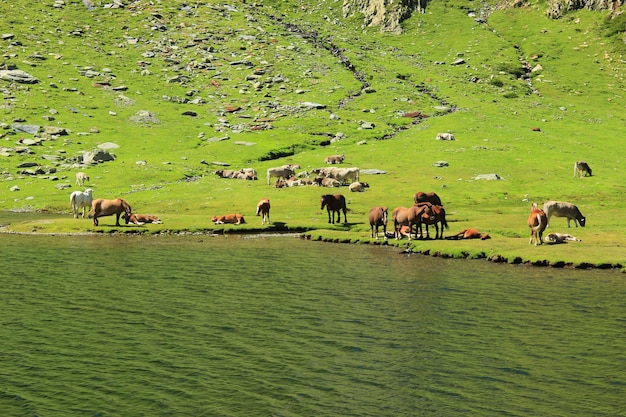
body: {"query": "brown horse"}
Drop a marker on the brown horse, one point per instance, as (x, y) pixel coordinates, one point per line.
(101, 207)
(263, 209)
(431, 198)
(334, 203)
(537, 221)
(378, 217)
(411, 216)
(439, 217)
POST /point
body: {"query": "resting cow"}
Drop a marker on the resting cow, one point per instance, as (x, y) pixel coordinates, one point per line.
(282, 172)
(581, 168)
(560, 238)
(358, 187)
(140, 219)
(564, 209)
(334, 159)
(445, 136)
(228, 218)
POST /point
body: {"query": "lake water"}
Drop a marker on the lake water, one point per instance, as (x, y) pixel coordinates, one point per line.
(278, 326)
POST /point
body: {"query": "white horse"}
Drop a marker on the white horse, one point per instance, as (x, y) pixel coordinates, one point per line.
(80, 199)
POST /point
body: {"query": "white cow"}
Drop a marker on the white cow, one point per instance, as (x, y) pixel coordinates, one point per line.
(445, 136)
(284, 172)
(564, 209)
(81, 199)
(358, 187)
(81, 177)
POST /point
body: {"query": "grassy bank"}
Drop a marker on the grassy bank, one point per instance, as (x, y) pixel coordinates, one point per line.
(227, 85)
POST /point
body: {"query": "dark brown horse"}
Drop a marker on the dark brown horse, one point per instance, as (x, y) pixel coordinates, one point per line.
(431, 198)
(378, 217)
(334, 203)
(412, 216)
(439, 217)
(101, 207)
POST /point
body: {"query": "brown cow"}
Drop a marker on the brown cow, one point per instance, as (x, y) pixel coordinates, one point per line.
(228, 218)
(140, 219)
(334, 159)
(537, 221)
(263, 209)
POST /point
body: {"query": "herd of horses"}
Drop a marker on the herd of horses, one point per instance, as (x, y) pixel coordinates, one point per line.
(427, 210)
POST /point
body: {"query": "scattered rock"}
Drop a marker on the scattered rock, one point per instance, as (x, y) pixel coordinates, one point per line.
(488, 177)
(18, 76)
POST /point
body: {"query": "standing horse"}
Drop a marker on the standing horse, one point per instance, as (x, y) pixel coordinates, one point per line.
(334, 203)
(81, 199)
(263, 209)
(102, 207)
(537, 221)
(378, 217)
(432, 198)
(439, 217)
(411, 216)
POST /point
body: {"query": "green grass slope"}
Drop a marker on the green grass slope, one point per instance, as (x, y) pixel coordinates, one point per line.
(229, 84)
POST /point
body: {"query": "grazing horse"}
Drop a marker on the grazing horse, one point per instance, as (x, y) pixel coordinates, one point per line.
(378, 217)
(431, 198)
(102, 207)
(81, 177)
(411, 216)
(439, 217)
(81, 199)
(141, 219)
(537, 221)
(263, 209)
(334, 203)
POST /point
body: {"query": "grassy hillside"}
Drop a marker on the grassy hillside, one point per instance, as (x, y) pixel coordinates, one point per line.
(229, 84)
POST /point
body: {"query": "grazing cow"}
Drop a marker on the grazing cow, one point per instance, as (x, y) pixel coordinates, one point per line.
(431, 198)
(439, 216)
(81, 199)
(414, 215)
(81, 177)
(141, 219)
(581, 169)
(555, 238)
(469, 234)
(335, 203)
(102, 207)
(445, 136)
(263, 209)
(334, 159)
(537, 221)
(378, 217)
(228, 218)
(358, 187)
(564, 209)
(282, 172)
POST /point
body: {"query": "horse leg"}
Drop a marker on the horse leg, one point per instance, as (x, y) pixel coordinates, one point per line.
(328, 211)
(117, 219)
(345, 219)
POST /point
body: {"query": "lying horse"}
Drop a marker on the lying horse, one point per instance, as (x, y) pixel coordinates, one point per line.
(537, 221)
(140, 219)
(263, 209)
(102, 207)
(335, 203)
(81, 199)
(469, 234)
(228, 218)
(412, 216)
(378, 217)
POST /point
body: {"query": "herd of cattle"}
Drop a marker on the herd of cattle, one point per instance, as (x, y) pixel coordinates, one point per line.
(427, 209)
